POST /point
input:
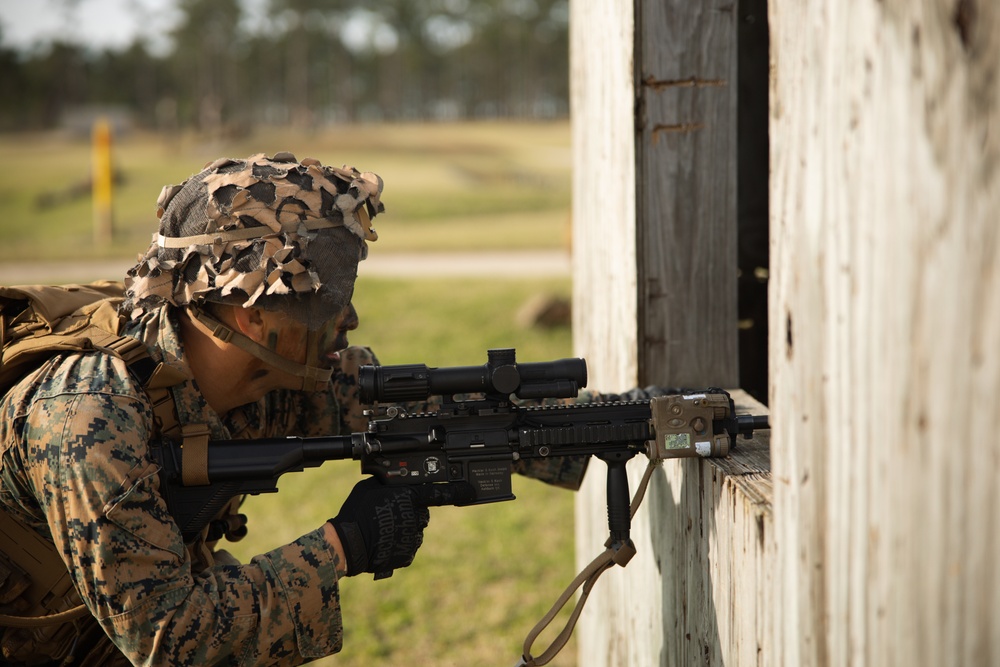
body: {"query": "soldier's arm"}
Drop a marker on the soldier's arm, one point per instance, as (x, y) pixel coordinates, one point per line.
(99, 492)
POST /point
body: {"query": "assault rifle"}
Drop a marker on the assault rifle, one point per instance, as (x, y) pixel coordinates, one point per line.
(477, 432)
(470, 439)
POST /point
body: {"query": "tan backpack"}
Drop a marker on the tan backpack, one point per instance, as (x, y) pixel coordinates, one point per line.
(36, 322)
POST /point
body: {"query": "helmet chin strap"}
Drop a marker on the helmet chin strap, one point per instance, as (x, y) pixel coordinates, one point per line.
(314, 378)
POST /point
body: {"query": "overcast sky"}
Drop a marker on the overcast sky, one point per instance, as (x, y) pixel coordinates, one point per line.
(100, 23)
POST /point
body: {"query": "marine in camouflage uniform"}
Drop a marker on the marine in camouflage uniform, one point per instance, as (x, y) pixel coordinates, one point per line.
(76, 464)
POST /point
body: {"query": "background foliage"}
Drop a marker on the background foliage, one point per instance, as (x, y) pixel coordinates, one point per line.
(448, 186)
(348, 83)
(306, 63)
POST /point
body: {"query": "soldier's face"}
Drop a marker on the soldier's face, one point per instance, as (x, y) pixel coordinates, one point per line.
(332, 338)
(321, 347)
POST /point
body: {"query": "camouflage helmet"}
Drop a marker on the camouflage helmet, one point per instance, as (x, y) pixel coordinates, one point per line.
(273, 232)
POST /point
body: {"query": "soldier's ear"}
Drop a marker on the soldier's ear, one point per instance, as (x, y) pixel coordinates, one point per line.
(249, 322)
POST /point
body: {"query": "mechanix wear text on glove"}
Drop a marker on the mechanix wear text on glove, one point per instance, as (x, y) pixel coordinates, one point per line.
(380, 528)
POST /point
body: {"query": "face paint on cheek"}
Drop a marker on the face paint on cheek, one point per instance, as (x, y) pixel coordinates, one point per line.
(288, 339)
(325, 342)
(334, 334)
(296, 344)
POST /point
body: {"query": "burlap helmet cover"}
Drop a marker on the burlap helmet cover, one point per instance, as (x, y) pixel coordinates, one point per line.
(307, 224)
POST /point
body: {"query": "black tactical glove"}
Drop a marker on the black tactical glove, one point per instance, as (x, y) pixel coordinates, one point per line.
(381, 527)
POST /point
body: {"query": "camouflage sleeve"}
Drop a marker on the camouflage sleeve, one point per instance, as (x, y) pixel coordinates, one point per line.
(563, 471)
(99, 492)
(345, 387)
(286, 412)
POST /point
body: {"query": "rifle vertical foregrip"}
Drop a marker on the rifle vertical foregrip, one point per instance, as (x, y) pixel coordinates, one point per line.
(619, 507)
(619, 517)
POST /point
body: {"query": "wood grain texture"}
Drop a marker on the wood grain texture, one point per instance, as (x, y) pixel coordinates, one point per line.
(686, 156)
(885, 318)
(605, 325)
(605, 301)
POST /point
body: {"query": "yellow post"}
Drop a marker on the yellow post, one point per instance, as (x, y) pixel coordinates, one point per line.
(101, 181)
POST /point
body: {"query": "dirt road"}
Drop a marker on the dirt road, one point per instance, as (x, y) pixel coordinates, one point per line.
(484, 264)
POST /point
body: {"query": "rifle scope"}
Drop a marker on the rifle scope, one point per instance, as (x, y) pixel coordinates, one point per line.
(501, 375)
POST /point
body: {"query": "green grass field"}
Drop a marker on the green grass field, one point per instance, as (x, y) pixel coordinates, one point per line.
(447, 186)
(485, 574)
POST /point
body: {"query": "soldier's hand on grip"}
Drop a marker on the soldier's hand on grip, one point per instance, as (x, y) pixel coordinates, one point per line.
(381, 527)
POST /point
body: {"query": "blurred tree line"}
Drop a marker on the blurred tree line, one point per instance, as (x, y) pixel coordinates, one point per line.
(312, 62)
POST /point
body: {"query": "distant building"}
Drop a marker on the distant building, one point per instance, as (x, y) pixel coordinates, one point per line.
(80, 119)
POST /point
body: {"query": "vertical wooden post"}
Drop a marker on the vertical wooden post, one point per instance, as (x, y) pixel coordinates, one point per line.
(101, 182)
(653, 105)
(605, 299)
(885, 322)
(685, 70)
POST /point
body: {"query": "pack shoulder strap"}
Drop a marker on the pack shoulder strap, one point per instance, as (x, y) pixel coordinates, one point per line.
(37, 321)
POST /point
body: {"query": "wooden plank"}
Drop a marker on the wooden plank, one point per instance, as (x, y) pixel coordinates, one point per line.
(713, 546)
(686, 155)
(605, 327)
(605, 321)
(885, 317)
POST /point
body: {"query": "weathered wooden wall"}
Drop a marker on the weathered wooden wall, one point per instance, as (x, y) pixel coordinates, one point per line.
(654, 210)
(605, 301)
(885, 332)
(882, 545)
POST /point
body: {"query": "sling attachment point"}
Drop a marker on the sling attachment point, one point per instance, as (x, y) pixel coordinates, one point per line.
(194, 464)
(126, 347)
(615, 553)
